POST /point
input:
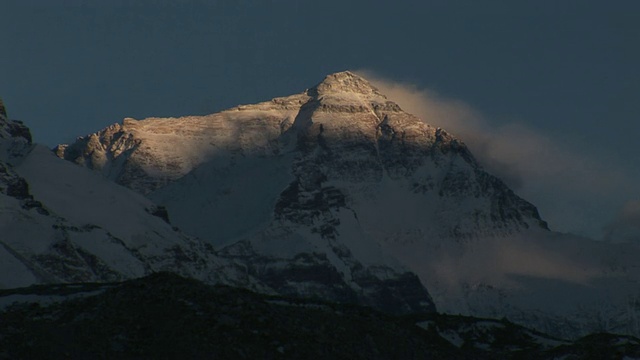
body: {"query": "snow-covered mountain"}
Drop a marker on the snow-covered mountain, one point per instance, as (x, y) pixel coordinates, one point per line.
(61, 223)
(337, 189)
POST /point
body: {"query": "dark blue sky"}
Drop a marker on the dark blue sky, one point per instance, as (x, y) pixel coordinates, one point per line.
(568, 70)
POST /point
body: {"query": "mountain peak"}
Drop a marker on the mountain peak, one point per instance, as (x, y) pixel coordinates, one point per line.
(15, 137)
(344, 82)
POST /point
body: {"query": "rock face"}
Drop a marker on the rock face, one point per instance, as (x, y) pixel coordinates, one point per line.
(14, 139)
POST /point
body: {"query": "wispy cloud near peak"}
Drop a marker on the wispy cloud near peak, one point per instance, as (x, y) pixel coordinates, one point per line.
(570, 187)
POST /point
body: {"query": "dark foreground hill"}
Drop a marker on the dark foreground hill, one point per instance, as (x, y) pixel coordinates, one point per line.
(167, 316)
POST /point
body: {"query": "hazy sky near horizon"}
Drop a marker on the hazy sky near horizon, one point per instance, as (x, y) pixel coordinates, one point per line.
(547, 92)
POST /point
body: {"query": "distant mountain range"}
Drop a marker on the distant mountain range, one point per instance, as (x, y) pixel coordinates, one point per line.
(335, 193)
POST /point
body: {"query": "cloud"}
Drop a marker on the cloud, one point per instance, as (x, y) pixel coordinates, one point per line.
(501, 261)
(575, 190)
(630, 214)
(626, 226)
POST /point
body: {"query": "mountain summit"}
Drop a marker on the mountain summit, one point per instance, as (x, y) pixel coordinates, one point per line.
(345, 82)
